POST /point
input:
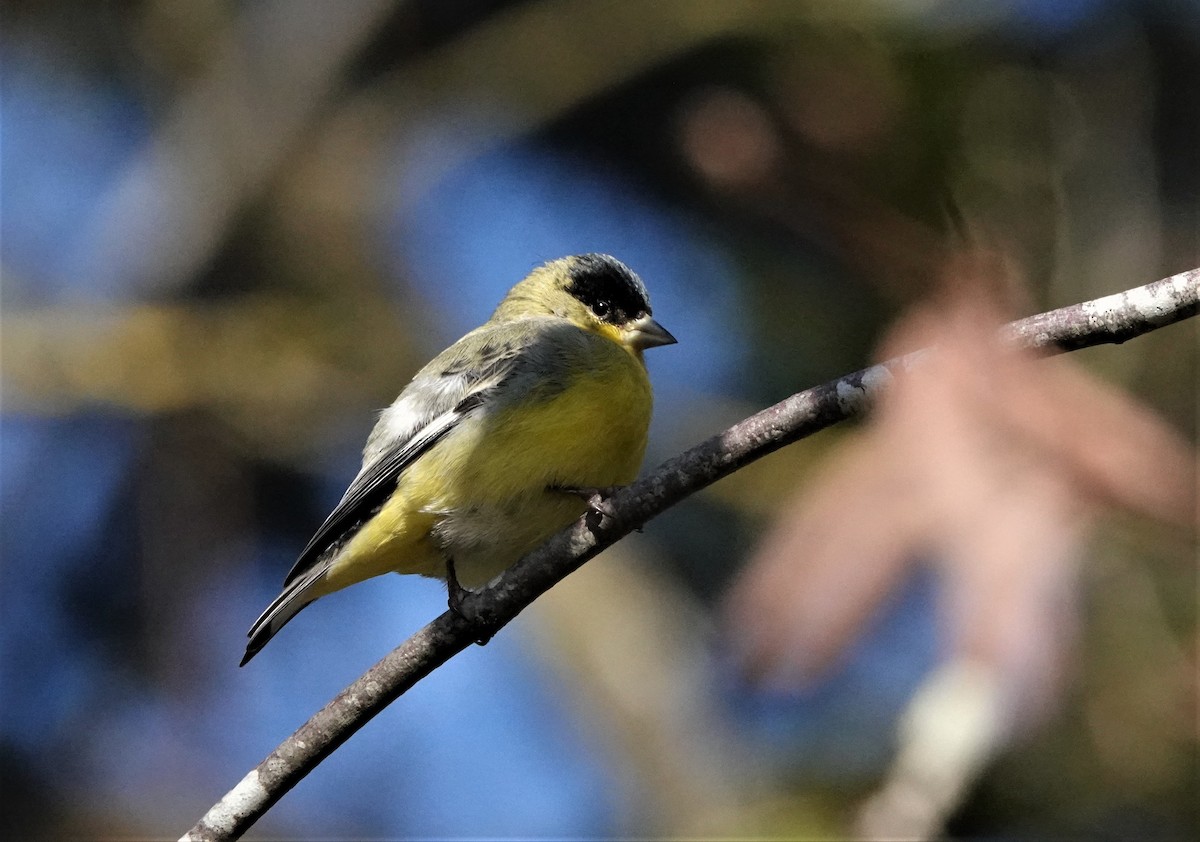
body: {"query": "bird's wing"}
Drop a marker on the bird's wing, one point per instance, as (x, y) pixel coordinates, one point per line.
(446, 391)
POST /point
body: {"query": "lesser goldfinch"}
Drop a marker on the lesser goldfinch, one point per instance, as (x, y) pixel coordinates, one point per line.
(484, 454)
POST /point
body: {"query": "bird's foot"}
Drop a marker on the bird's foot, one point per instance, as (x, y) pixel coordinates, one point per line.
(597, 499)
(484, 628)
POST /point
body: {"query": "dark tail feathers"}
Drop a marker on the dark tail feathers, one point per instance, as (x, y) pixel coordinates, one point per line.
(287, 605)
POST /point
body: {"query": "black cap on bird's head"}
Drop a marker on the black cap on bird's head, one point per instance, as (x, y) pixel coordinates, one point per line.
(611, 293)
(617, 296)
(608, 287)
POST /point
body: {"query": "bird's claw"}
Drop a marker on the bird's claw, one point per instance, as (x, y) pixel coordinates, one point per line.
(484, 628)
(597, 499)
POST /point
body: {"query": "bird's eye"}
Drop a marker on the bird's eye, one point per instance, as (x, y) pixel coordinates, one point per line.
(601, 309)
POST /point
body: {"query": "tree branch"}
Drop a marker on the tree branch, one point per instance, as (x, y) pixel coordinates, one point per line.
(1112, 319)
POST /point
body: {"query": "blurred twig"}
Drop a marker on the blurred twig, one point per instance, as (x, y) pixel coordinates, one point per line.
(1112, 319)
(597, 47)
(267, 80)
(274, 369)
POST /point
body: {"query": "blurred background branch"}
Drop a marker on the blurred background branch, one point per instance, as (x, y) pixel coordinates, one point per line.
(266, 80)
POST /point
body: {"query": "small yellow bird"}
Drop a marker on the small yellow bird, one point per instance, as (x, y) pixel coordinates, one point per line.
(484, 455)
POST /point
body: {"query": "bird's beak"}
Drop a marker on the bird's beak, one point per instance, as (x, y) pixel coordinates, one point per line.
(647, 333)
